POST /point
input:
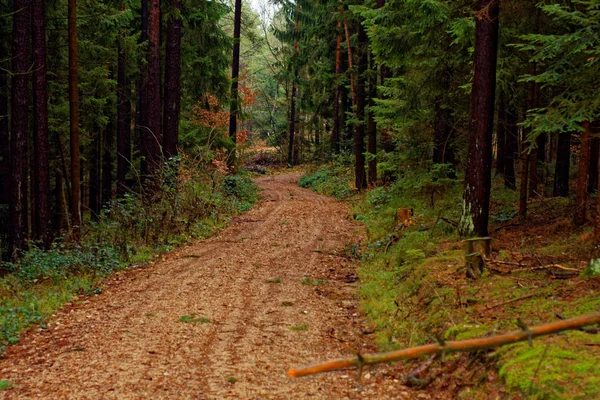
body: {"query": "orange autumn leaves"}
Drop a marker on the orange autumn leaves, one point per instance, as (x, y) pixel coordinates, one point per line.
(209, 113)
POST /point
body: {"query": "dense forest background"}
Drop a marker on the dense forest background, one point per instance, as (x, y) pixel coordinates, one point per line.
(130, 127)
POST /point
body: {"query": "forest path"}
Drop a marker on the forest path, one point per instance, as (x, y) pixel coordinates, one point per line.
(129, 342)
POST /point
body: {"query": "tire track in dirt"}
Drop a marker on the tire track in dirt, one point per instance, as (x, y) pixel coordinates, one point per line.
(129, 343)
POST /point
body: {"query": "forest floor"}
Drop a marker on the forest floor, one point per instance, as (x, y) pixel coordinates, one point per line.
(225, 317)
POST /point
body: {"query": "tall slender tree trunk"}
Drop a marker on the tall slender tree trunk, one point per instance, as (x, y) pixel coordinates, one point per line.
(476, 197)
(582, 178)
(501, 129)
(359, 129)
(534, 153)
(21, 64)
(235, 71)
(74, 122)
(335, 133)
(4, 131)
(350, 66)
(152, 134)
(563, 165)
(41, 148)
(594, 155)
(108, 143)
(94, 181)
(510, 148)
(371, 125)
(123, 119)
(142, 117)
(292, 125)
(172, 82)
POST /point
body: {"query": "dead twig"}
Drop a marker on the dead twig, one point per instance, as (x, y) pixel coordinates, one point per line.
(511, 301)
(450, 346)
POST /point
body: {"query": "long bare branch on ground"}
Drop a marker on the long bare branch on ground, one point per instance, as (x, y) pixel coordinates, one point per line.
(450, 346)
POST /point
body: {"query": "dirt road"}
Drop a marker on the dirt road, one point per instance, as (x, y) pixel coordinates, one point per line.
(221, 318)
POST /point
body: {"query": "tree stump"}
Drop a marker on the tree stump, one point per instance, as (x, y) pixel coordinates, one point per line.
(404, 216)
(475, 264)
(482, 245)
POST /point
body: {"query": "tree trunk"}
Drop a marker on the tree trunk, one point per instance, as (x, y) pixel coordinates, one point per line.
(19, 125)
(94, 182)
(582, 178)
(359, 129)
(510, 148)
(4, 131)
(292, 125)
(476, 197)
(123, 119)
(107, 164)
(372, 126)
(563, 164)
(593, 172)
(235, 70)
(152, 135)
(74, 122)
(172, 82)
(501, 129)
(335, 133)
(41, 148)
(534, 157)
(523, 188)
(142, 117)
(350, 66)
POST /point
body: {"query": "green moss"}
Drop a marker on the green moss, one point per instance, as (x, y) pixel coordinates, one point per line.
(553, 368)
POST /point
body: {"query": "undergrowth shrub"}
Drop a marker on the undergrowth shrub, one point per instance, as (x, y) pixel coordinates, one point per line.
(334, 180)
(190, 198)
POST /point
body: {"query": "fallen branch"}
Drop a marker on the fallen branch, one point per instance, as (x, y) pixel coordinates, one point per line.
(449, 346)
(511, 301)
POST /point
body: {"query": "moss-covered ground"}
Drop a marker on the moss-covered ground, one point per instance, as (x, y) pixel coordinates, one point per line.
(413, 286)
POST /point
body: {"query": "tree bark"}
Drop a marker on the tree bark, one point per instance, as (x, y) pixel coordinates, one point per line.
(74, 122)
(582, 178)
(4, 131)
(172, 81)
(335, 133)
(510, 148)
(594, 153)
(107, 164)
(123, 119)
(21, 48)
(292, 125)
(152, 134)
(563, 164)
(41, 148)
(476, 196)
(235, 71)
(501, 129)
(94, 183)
(142, 117)
(359, 129)
(371, 125)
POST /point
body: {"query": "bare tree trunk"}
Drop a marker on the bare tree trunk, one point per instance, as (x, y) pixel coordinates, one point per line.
(123, 119)
(359, 129)
(563, 165)
(235, 70)
(172, 82)
(4, 131)
(74, 122)
(582, 178)
(41, 148)
(107, 164)
(94, 182)
(594, 153)
(476, 198)
(510, 151)
(19, 125)
(292, 126)
(372, 126)
(142, 117)
(535, 151)
(152, 134)
(350, 66)
(335, 134)
(501, 129)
